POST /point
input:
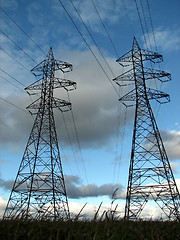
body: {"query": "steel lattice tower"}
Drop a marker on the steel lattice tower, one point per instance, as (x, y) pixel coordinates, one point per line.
(39, 189)
(150, 174)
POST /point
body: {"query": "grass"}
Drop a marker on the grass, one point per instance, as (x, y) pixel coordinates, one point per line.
(89, 230)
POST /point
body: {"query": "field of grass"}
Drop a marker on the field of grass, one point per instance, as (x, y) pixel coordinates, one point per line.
(89, 230)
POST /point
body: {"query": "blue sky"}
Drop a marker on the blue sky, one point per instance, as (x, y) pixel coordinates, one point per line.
(102, 164)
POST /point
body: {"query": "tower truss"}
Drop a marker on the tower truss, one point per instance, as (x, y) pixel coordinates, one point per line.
(150, 173)
(39, 189)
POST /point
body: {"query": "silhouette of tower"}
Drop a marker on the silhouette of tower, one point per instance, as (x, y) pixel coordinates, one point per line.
(39, 189)
(150, 174)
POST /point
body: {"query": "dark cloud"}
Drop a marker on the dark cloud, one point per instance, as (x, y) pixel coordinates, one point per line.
(172, 143)
(6, 184)
(94, 103)
(76, 190)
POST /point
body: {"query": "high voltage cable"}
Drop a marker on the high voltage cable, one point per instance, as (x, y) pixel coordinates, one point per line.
(11, 83)
(141, 23)
(88, 46)
(14, 59)
(70, 141)
(129, 20)
(122, 145)
(12, 77)
(13, 105)
(147, 32)
(18, 46)
(146, 26)
(92, 37)
(152, 25)
(22, 30)
(110, 39)
(79, 145)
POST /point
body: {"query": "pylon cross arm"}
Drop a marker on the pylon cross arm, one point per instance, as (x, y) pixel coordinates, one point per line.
(157, 95)
(64, 83)
(63, 66)
(56, 103)
(35, 87)
(61, 104)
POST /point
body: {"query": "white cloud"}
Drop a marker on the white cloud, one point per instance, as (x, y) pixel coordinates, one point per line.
(89, 211)
(3, 204)
(150, 211)
(174, 166)
(178, 184)
(110, 11)
(168, 39)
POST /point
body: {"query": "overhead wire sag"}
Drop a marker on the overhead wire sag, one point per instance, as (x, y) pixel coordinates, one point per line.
(146, 26)
(11, 83)
(13, 105)
(152, 26)
(22, 30)
(92, 37)
(110, 39)
(18, 46)
(14, 59)
(88, 45)
(70, 142)
(141, 23)
(12, 77)
(79, 145)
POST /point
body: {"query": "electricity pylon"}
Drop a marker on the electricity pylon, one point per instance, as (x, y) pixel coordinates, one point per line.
(150, 173)
(39, 189)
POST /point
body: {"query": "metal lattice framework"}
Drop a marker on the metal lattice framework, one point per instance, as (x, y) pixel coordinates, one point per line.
(39, 189)
(150, 173)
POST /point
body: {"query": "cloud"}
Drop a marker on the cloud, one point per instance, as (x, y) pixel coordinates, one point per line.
(11, 4)
(174, 166)
(89, 211)
(75, 190)
(168, 39)
(109, 14)
(3, 204)
(94, 104)
(171, 141)
(178, 183)
(6, 184)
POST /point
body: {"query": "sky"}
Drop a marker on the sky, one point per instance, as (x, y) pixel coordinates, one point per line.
(96, 166)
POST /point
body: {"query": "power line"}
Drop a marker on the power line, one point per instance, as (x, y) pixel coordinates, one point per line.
(122, 144)
(79, 145)
(18, 46)
(12, 77)
(88, 45)
(13, 105)
(129, 20)
(15, 59)
(141, 23)
(110, 39)
(11, 83)
(152, 25)
(22, 30)
(92, 37)
(68, 135)
(146, 26)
